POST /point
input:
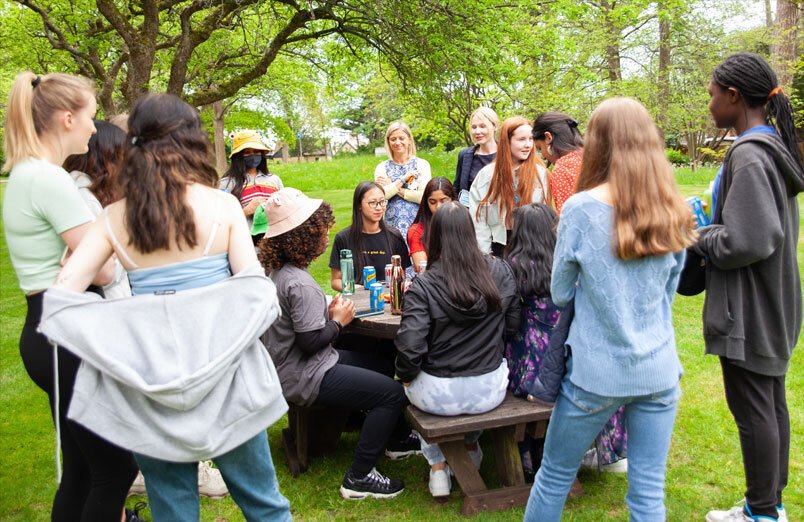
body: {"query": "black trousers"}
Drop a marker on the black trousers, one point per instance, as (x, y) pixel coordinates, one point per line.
(759, 407)
(97, 474)
(357, 382)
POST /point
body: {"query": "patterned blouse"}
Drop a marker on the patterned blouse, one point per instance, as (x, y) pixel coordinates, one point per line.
(564, 176)
(401, 212)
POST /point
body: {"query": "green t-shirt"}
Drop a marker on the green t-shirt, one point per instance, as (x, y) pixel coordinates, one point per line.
(41, 202)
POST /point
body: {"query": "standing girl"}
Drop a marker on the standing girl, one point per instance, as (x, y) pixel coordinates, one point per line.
(517, 177)
(49, 118)
(95, 175)
(402, 176)
(483, 125)
(561, 144)
(752, 312)
(437, 192)
(248, 178)
(197, 392)
(619, 253)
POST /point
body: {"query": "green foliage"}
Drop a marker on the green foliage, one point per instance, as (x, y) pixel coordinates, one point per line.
(714, 156)
(677, 157)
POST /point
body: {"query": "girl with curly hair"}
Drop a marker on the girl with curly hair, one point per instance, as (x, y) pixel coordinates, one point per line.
(300, 341)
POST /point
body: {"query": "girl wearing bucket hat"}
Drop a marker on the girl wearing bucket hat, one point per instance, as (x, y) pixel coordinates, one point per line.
(300, 341)
(248, 178)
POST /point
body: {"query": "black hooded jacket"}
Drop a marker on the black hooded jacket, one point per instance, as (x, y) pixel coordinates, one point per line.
(444, 339)
(752, 312)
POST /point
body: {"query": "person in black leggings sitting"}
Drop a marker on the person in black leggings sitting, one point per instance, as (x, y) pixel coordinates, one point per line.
(300, 344)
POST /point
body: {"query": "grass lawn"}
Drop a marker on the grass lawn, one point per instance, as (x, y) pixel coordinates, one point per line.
(704, 469)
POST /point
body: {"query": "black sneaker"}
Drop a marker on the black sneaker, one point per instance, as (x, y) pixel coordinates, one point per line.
(373, 485)
(411, 445)
(134, 515)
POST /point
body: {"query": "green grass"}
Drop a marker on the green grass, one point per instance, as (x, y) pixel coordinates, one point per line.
(704, 469)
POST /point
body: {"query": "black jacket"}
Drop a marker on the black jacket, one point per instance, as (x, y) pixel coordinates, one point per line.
(445, 339)
(752, 312)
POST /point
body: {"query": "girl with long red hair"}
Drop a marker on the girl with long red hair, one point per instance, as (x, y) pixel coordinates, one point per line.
(517, 177)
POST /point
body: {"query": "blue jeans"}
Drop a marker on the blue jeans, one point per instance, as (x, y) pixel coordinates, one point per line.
(247, 470)
(577, 418)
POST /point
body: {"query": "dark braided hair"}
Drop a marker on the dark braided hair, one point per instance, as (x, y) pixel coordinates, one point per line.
(751, 75)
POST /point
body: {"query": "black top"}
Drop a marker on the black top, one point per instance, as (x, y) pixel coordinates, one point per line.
(377, 251)
(445, 339)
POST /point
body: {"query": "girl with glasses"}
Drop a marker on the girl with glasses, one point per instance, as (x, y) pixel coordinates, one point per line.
(371, 240)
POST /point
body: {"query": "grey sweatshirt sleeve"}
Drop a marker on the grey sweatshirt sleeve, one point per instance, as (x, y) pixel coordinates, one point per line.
(752, 228)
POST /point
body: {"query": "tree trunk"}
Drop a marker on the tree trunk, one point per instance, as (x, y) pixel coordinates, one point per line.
(783, 46)
(612, 44)
(768, 14)
(664, 71)
(285, 153)
(220, 136)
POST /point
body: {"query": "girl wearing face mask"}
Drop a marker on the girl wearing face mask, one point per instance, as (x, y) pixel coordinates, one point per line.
(517, 177)
(483, 125)
(248, 178)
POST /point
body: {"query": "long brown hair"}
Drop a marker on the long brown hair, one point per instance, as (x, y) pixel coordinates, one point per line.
(501, 187)
(465, 269)
(623, 148)
(102, 161)
(167, 150)
(31, 105)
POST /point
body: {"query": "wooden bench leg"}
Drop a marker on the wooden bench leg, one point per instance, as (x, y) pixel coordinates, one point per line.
(289, 445)
(496, 499)
(302, 438)
(462, 466)
(506, 452)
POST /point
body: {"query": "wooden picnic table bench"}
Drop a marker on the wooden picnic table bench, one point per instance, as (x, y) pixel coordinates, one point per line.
(507, 425)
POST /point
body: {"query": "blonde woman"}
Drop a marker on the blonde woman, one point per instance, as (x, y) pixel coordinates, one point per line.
(619, 254)
(402, 177)
(517, 178)
(483, 126)
(49, 118)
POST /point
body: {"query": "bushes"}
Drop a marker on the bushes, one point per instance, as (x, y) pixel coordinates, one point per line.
(677, 157)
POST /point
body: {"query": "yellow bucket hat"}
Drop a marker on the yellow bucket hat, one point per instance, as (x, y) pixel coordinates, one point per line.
(247, 140)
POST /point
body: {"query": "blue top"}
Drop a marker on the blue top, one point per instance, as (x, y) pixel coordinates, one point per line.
(622, 336)
(767, 129)
(195, 273)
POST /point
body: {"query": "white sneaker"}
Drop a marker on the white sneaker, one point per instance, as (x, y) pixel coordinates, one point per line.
(440, 483)
(782, 513)
(210, 481)
(590, 462)
(735, 514)
(138, 487)
(476, 456)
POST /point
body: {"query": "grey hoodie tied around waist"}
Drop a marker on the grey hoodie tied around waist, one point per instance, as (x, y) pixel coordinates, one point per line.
(162, 375)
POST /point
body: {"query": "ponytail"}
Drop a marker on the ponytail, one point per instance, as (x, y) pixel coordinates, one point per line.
(31, 105)
(751, 75)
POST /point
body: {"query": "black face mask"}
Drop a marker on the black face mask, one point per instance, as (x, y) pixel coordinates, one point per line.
(253, 162)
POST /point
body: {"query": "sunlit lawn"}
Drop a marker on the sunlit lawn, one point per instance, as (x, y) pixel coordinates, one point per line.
(704, 469)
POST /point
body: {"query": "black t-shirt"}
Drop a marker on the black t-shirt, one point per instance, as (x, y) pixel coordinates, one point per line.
(478, 162)
(375, 251)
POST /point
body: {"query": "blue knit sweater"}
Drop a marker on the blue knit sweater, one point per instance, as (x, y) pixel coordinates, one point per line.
(622, 336)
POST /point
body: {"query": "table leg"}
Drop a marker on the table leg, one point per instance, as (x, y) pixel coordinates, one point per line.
(506, 452)
(462, 466)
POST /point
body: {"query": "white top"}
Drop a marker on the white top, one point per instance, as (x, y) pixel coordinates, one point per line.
(490, 224)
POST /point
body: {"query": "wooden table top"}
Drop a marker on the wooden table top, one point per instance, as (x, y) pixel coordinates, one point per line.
(382, 326)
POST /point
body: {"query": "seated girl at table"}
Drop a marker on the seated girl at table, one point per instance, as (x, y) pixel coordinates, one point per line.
(450, 341)
(370, 239)
(312, 372)
(437, 192)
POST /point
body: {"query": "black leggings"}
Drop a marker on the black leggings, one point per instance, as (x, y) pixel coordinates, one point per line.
(97, 474)
(357, 381)
(759, 407)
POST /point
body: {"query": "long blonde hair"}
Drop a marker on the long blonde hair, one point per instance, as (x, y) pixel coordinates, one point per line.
(31, 105)
(623, 148)
(501, 187)
(395, 126)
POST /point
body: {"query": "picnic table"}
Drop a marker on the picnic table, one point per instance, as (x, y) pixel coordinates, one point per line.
(382, 326)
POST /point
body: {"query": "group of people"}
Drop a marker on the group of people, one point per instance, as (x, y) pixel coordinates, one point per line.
(554, 284)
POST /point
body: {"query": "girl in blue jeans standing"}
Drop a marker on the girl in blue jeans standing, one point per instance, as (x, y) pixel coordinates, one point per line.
(619, 253)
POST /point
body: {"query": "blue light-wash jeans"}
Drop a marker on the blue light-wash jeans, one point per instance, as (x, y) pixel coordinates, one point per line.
(577, 418)
(451, 396)
(247, 470)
